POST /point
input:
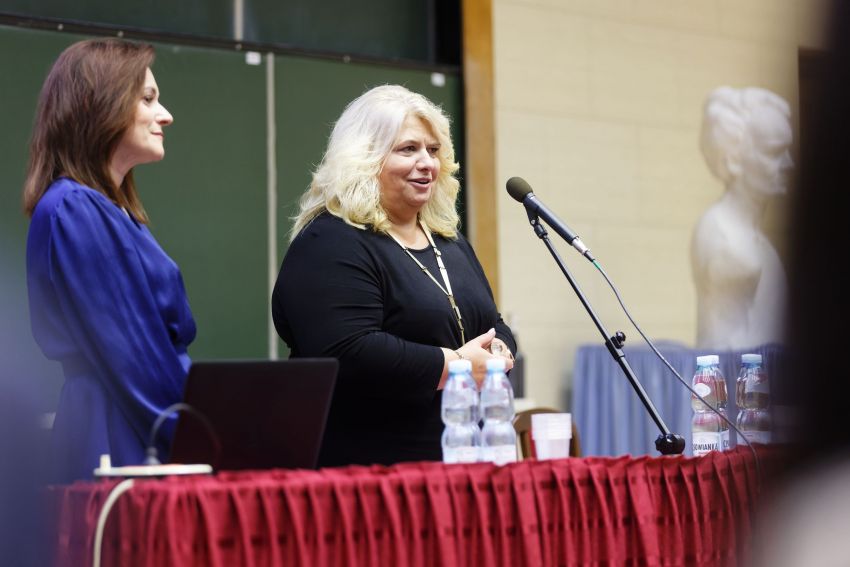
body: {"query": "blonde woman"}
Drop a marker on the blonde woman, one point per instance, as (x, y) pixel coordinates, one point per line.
(378, 276)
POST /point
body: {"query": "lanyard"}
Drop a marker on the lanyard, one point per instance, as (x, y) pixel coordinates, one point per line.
(447, 290)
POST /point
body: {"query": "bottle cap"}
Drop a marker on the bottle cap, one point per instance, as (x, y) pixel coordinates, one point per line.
(707, 360)
(457, 366)
(496, 364)
(751, 358)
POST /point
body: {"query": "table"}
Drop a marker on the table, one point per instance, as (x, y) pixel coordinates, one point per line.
(590, 511)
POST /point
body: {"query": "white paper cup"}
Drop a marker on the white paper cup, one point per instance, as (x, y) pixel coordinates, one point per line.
(551, 434)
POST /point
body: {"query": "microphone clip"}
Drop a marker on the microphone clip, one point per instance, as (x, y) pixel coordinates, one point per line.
(538, 227)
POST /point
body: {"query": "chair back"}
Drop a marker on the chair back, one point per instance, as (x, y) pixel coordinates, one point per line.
(522, 425)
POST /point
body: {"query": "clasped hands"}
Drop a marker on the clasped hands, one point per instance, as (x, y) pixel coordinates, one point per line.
(482, 348)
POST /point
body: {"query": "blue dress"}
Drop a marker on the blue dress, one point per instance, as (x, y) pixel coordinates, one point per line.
(110, 306)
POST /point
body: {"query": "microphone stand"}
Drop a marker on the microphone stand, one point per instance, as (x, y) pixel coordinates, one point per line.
(667, 443)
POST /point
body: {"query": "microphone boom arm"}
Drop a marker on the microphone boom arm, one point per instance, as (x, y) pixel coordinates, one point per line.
(666, 443)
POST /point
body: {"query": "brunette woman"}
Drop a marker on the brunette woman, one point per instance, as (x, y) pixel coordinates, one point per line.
(105, 299)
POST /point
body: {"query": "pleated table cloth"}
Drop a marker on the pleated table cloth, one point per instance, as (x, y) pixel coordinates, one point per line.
(592, 511)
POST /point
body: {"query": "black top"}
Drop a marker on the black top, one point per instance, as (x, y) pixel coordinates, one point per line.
(355, 295)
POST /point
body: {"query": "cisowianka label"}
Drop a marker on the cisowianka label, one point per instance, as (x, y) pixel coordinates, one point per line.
(704, 443)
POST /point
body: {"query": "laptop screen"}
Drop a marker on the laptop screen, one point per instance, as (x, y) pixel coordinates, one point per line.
(264, 414)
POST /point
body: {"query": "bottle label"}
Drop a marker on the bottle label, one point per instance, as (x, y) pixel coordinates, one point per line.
(500, 454)
(724, 440)
(704, 442)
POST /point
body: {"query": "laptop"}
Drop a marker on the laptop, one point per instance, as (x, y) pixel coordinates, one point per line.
(255, 414)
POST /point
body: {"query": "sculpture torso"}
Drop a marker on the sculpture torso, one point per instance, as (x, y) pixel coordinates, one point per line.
(741, 284)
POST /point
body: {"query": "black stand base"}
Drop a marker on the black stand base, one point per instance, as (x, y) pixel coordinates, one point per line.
(670, 444)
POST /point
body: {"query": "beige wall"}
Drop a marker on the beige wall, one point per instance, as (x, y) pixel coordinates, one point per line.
(598, 106)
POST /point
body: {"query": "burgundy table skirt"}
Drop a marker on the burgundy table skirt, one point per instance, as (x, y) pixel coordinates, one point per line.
(591, 511)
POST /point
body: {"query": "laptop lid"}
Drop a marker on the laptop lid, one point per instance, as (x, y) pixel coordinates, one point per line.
(265, 414)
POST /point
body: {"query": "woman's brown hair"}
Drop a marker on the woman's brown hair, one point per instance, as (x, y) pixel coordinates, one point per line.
(87, 103)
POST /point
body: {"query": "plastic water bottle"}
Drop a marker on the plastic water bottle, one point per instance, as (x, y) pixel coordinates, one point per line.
(461, 438)
(709, 431)
(753, 389)
(498, 437)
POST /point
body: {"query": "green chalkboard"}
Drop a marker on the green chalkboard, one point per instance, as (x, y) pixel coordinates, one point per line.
(207, 198)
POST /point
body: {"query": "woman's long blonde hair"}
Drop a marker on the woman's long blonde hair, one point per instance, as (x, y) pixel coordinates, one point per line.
(346, 181)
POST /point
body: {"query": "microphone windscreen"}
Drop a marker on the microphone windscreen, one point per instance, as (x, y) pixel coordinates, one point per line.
(518, 188)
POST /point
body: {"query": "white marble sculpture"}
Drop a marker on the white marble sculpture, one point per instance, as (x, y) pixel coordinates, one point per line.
(740, 281)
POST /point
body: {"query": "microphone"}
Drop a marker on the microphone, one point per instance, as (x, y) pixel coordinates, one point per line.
(519, 189)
